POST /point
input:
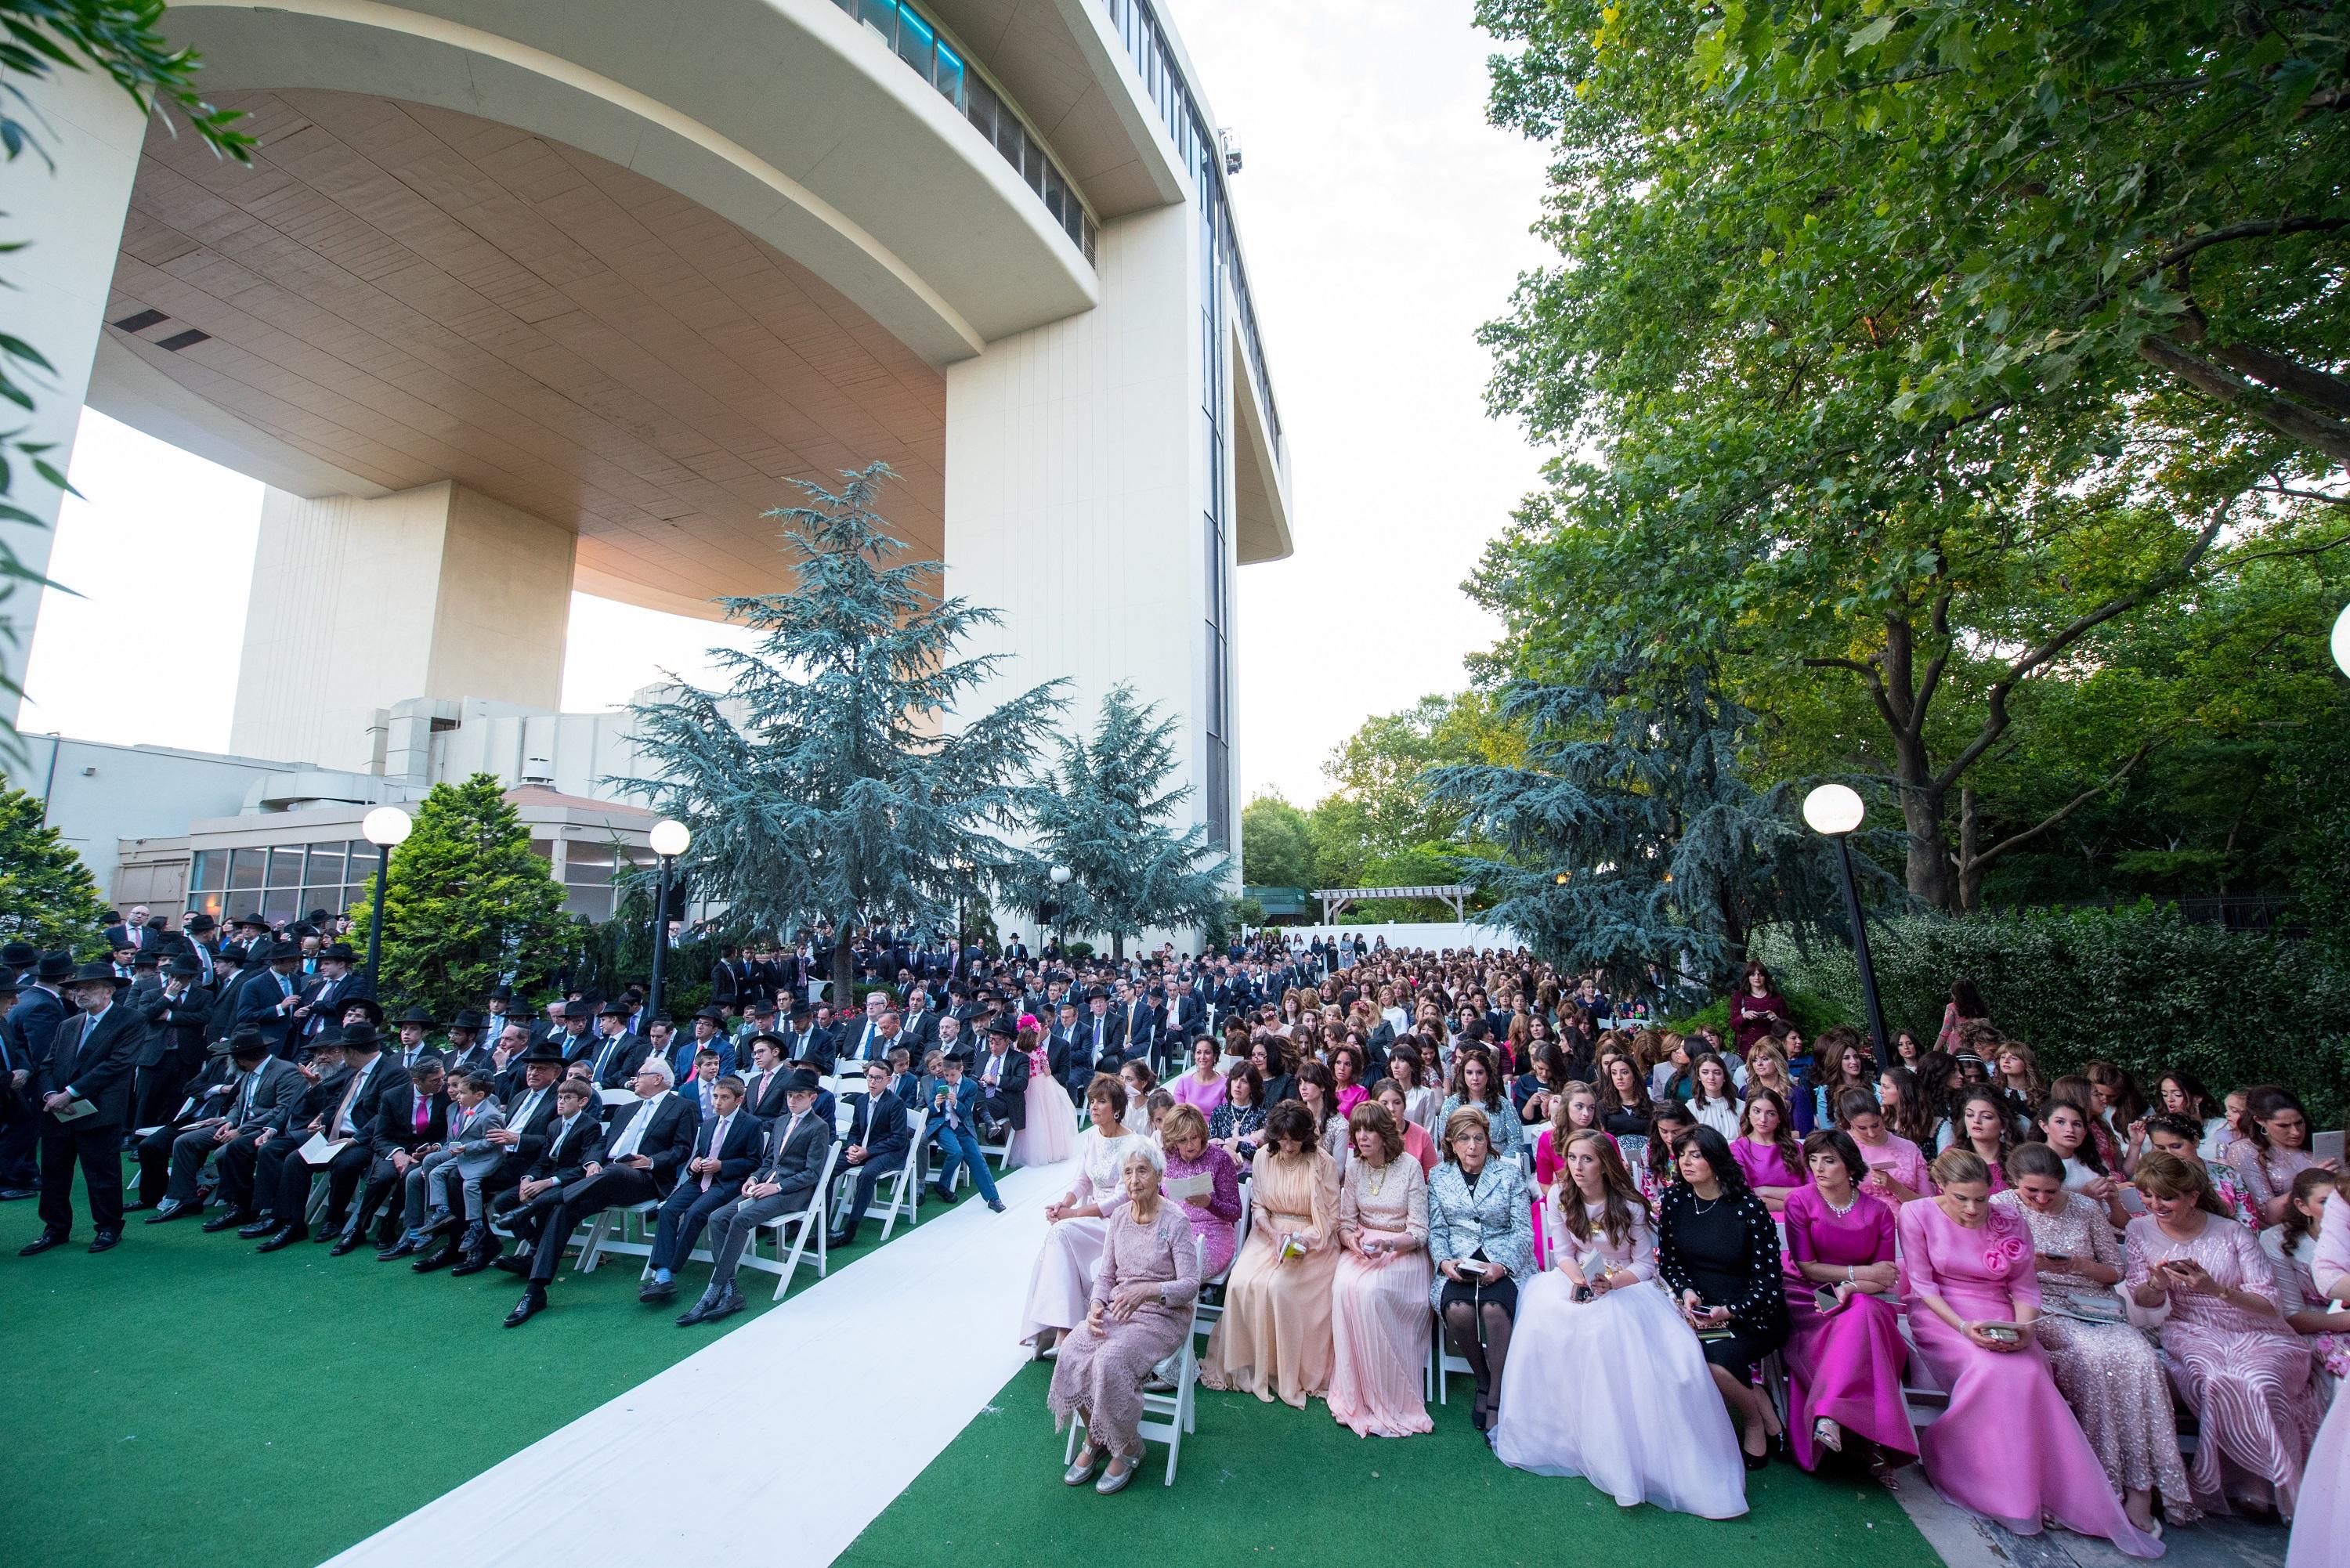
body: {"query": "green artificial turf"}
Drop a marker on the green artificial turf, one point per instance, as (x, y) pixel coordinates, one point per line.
(182, 1399)
(1266, 1484)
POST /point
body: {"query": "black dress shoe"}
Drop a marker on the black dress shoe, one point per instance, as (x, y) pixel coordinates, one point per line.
(697, 1311)
(261, 1227)
(652, 1293)
(403, 1248)
(513, 1263)
(840, 1237)
(473, 1262)
(140, 1207)
(168, 1210)
(231, 1219)
(105, 1241)
(328, 1231)
(438, 1259)
(345, 1246)
(17, 1194)
(283, 1237)
(41, 1243)
(726, 1305)
(533, 1302)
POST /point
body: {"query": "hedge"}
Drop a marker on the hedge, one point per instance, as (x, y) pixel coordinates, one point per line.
(2140, 985)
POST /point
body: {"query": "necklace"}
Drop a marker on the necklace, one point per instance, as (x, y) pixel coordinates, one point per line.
(1702, 1205)
(1377, 1179)
(1846, 1209)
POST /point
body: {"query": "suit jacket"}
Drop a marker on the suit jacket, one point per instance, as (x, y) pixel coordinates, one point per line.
(378, 1078)
(532, 1129)
(257, 1007)
(25, 1032)
(1137, 1026)
(1009, 1097)
(278, 1090)
(879, 1123)
(763, 1095)
(176, 1028)
(94, 1061)
(326, 999)
(469, 1138)
(746, 1136)
(795, 1161)
(395, 1120)
(922, 1029)
(667, 1138)
(564, 1153)
(963, 1099)
(617, 1058)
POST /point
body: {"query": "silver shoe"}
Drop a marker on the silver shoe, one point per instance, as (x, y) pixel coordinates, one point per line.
(1088, 1460)
(1115, 1479)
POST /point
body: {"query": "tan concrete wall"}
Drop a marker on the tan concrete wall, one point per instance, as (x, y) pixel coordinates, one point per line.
(504, 605)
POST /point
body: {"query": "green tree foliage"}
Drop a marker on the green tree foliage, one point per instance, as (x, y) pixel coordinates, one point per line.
(1629, 834)
(39, 38)
(1903, 351)
(467, 903)
(48, 897)
(1276, 844)
(1379, 825)
(821, 784)
(1105, 813)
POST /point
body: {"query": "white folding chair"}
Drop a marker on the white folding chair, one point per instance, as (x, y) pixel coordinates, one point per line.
(809, 1222)
(316, 1203)
(1441, 1363)
(1001, 1150)
(1165, 1417)
(611, 1233)
(1204, 1313)
(905, 1188)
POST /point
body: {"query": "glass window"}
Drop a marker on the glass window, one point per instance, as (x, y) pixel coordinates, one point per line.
(281, 903)
(593, 903)
(915, 38)
(210, 870)
(329, 898)
(325, 867)
(214, 904)
(246, 867)
(979, 107)
(946, 74)
(284, 868)
(881, 16)
(1009, 137)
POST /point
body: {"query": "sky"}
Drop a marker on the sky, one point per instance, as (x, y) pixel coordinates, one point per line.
(1383, 221)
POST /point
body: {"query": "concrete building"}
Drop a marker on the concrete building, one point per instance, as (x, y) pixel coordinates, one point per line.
(520, 297)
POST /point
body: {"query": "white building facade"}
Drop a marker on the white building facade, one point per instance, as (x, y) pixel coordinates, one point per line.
(524, 296)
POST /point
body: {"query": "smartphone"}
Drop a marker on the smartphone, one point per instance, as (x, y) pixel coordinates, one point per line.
(1825, 1298)
(1583, 1294)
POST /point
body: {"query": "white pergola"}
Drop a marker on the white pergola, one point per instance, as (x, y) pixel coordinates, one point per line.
(1336, 900)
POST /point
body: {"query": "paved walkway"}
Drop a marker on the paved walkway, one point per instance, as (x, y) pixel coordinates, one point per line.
(812, 1416)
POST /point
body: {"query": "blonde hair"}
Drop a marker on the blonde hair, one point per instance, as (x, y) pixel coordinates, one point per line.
(1958, 1165)
(2160, 1175)
(1183, 1122)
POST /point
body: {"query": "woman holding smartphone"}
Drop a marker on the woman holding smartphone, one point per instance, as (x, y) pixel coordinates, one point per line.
(2233, 1358)
(2007, 1445)
(1845, 1353)
(2107, 1370)
(1603, 1383)
(1481, 1236)
(1718, 1253)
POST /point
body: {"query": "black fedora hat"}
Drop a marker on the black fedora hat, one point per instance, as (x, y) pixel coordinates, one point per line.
(341, 951)
(55, 968)
(250, 921)
(18, 956)
(367, 1005)
(577, 1012)
(781, 1045)
(711, 1014)
(91, 973)
(417, 1015)
(803, 1080)
(362, 1036)
(200, 922)
(247, 1042)
(185, 969)
(468, 1019)
(614, 1010)
(544, 1051)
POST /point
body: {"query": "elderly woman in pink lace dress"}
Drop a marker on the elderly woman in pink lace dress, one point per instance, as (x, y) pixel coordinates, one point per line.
(1137, 1315)
(2236, 1363)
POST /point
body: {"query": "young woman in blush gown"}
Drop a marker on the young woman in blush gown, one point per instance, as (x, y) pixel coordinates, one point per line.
(1604, 1380)
(1051, 1135)
(2008, 1446)
(1843, 1361)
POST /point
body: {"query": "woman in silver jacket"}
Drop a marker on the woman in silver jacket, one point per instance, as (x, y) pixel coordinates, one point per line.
(1481, 1238)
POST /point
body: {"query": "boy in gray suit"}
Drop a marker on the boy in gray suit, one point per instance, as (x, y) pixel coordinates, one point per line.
(468, 1156)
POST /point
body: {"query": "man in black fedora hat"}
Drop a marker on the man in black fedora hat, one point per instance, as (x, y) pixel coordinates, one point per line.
(198, 935)
(82, 1084)
(336, 984)
(267, 1000)
(411, 1119)
(574, 1034)
(203, 1099)
(38, 1007)
(617, 1054)
(349, 1103)
(414, 1025)
(468, 1048)
(177, 1016)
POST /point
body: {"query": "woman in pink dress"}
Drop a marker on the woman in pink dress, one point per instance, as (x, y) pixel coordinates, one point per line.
(1844, 1364)
(1051, 1135)
(1204, 1085)
(1346, 1061)
(2320, 1528)
(2232, 1357)
(2274, 1149)
(1416, 1141)
(1766, 1149)
(1378, 1299)
(2007, 1447)
(1214, 1210)
(1897, 1168)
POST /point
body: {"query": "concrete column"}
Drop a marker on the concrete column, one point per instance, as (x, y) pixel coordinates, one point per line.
(57, 298)
(1072, 490)
(360, 605)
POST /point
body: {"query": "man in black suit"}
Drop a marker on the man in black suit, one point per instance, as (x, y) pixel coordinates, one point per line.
(82, 1084)
(267, 1000)
(575, 1142)
(782, 1184)
(349, 1106)
(1138, 1026)
(571, 1034)
(205, 1097)
(614, 1058)
(725, 1146)
(323, 999)
(177, 1016)
(647, 1142)
(1068, 1045)
(411, 1118)
(763, 1090)
(529, 1100)
(469, 1046)
(261, 1090)
(726, 980)
(874, 1146)
(1003, 1076)
(33, 1016)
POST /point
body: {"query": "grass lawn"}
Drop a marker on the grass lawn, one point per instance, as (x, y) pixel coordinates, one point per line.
(183, 1399)
(1266, 1484)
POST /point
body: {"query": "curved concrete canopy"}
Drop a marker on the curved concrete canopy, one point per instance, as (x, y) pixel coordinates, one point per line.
(783, 115)
(395, 295)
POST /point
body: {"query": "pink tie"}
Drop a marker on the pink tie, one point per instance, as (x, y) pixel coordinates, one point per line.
(717, 1136)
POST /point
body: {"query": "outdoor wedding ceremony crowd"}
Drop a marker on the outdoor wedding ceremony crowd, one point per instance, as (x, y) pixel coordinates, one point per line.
(1661, 1258)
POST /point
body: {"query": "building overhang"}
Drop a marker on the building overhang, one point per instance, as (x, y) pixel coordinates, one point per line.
(1260, 469)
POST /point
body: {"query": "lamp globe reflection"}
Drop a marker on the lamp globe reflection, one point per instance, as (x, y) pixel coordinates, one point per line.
(2341, 640)
(1832, 808)
(669, 837)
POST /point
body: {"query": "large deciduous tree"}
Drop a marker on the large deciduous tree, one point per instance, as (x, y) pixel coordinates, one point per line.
(826, 781)
(1907, 346)
(48, 897)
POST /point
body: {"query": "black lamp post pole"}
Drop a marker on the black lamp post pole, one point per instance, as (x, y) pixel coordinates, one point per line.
(1860, 952)
(375, 920)
(661, 944)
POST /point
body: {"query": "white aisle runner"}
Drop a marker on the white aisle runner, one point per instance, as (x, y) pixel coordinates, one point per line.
(836, 1399)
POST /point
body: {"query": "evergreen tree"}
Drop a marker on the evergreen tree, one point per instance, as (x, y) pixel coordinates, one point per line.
(1630, 832)
(48, 897)
(823, 784)
(467, 903)
(1103, 813)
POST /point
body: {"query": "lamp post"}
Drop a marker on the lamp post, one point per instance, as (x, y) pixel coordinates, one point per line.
(1060, 880)
(2341, 640)
(1835, 810)
(383, 827)
(670, 840)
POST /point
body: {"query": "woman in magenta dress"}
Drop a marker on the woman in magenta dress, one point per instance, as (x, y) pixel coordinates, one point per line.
(2008, 1446)
(1844, 1367)
(1896, 1166)
(1766, 1149)
(1214, 1212)
(2234, 1360)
